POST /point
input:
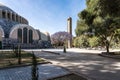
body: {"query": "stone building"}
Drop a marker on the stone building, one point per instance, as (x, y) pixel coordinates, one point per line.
(15, 29)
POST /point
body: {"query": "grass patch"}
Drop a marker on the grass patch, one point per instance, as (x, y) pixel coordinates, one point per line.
(8, 59)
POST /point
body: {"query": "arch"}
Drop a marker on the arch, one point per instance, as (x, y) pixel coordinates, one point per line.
(30, 36)
(19, 35)
(25, 30)
(14, 29)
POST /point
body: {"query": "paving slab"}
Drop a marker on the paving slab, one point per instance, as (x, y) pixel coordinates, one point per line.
(46, 71)
(86, 62)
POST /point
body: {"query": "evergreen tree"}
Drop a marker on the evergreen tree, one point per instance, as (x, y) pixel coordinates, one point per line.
(34, 67)
(102, 17)
(19, 54)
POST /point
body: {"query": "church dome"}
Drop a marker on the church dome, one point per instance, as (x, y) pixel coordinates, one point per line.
(9, 18)
(3, 7)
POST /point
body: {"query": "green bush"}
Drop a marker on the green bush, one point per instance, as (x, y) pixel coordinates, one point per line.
(93, 41)
(81, 41)
(75, 42)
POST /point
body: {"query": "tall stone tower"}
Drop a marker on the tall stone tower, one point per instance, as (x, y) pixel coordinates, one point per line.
(69, 30)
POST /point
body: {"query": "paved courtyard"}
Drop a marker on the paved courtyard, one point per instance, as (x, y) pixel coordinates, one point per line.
(46, 71)
(86, 62)
(81, 61)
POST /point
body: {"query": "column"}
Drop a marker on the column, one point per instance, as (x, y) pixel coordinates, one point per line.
(11, 16)
(23, 21)
(20, 19)
(28, 36)
(22, 35)
(6, 14)
(0, 13)
(15, 17)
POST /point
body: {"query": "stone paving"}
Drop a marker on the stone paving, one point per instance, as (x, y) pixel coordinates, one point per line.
(46, 71)
(86, 62)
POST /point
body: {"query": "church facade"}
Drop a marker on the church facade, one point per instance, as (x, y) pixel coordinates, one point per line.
(15, 29)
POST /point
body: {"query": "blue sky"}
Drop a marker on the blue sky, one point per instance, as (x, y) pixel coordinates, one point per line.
(47, 15)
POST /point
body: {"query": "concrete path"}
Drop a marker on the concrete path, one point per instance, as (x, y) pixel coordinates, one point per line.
(46, 71)
(85, 62)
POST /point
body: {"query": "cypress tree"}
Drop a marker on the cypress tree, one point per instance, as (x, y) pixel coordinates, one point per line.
(19, 55)
(34, 71)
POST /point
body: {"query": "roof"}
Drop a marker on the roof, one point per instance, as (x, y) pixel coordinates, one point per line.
(3, 7)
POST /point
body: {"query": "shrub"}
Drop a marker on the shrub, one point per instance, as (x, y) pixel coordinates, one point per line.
(93, 41)
(81, 41)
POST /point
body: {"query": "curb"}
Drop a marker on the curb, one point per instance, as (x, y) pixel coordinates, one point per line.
(23, 65)
(51, 52)
(109, 56)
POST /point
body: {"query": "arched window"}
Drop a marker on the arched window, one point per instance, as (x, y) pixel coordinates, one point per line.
(13, 17)
(25, 35)
(16, 18)
(30, 36)
(3, 14)
(19, 33)
(8, 14)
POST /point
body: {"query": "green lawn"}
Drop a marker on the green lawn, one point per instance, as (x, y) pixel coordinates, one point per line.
(8, 59)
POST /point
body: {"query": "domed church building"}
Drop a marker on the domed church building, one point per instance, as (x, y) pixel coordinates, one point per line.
(15, 29)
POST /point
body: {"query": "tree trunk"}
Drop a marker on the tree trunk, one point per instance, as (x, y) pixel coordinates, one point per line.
(107, 46)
